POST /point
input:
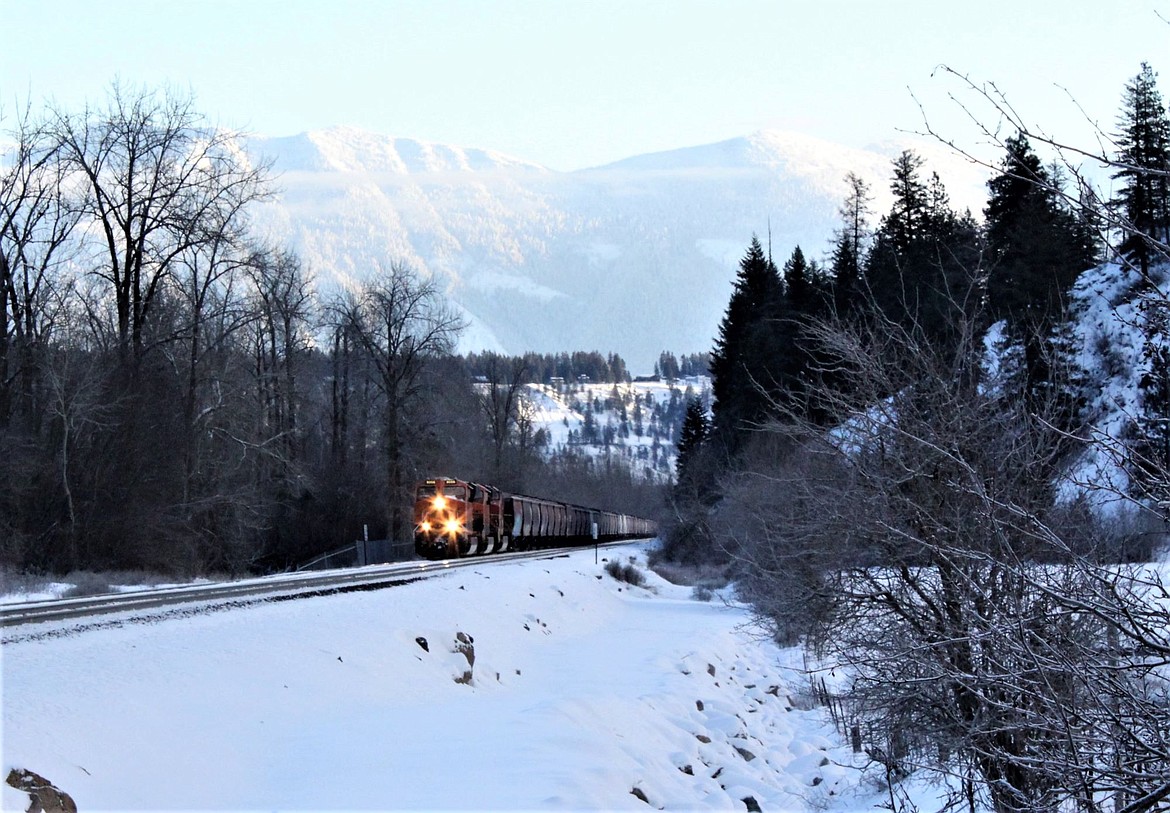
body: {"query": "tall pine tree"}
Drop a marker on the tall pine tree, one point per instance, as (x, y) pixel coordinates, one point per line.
(850, 245)
(1036, 249)
(692, 436)
(748, 350)
(1144, 157)
(799, 284)
(923, 270)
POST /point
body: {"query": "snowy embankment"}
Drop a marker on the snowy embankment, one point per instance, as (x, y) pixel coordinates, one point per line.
(585, 693)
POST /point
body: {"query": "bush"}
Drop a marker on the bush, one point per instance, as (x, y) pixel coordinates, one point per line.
(13, 581)
(86, 583)
(626, 573)
(702, 593)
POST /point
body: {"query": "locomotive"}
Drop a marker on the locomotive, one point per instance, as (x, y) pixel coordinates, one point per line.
(454, 518)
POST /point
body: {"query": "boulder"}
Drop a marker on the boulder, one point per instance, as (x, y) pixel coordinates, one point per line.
(44, 796)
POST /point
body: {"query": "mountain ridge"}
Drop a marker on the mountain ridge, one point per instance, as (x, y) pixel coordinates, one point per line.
(634, 257)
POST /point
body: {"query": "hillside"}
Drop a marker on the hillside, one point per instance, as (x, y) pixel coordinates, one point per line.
(1108, 324)
(635, 423)
(634, 257)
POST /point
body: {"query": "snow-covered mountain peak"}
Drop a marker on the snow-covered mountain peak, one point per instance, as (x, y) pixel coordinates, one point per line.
(818, 166)
(776, 150)
(353, 150)
(634, 257)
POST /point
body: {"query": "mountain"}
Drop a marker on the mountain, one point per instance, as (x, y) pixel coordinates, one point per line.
(634, 257)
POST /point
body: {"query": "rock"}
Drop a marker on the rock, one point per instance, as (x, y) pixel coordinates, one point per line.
(44, 797)
(465, 646)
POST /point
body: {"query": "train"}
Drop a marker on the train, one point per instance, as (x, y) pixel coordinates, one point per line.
(455, 518)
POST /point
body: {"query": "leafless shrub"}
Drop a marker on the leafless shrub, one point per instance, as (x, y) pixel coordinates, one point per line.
(919, 547)
(86, 583)
(702, 593)
(626, 573)
(13, 581)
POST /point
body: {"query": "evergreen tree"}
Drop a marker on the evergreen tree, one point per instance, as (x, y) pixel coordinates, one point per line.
(808, 293)
(905, 226)
(1149, 445)
(922, 272)
(589, 425)
(1144, 157)
(849, 246)
(617, 368)
(1036, 250)
(694, 364)
(667, 365)
(693, 435)
(798, 283)
(891, 287)
(748, 349)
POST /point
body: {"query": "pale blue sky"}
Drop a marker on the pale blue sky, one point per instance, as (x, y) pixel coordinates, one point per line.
(572, 84)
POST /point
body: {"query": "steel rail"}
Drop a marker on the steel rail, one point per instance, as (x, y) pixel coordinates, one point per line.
(282, 586)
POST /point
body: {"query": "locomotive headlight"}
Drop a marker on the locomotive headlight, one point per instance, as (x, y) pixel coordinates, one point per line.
(424, 526)
(452, 526)
(439, 503)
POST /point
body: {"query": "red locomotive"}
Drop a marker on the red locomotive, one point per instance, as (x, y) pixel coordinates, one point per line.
(455, 518)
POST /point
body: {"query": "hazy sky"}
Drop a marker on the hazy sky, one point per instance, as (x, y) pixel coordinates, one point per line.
(572, 84)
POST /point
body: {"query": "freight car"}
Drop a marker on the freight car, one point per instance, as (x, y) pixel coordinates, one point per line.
(455, 518)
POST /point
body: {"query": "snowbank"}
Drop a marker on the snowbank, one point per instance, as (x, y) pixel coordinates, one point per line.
(585, 693)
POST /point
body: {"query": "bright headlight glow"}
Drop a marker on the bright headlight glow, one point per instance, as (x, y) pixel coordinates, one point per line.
(451, 526)
(439, 502)
(425, 526)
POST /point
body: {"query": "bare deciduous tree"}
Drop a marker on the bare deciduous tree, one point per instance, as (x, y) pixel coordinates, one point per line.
(156, 182)
(284, 309)
(401, 323)
(36, 223)
(501, 401)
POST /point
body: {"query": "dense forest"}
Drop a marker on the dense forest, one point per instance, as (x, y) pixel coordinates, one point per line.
(176, 397)
(889, 472)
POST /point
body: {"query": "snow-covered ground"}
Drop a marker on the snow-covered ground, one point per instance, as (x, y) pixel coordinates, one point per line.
(585, 693)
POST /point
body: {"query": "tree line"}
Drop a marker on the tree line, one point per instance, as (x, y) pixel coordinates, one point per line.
(888, 471)
(581, 366)
(174, 394)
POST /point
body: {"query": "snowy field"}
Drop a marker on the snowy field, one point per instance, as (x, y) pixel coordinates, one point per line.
(584, 694)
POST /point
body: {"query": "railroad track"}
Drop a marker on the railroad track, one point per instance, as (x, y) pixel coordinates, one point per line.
(144, 603)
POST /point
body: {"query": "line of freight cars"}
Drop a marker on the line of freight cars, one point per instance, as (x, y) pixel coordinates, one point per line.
(454, 518)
